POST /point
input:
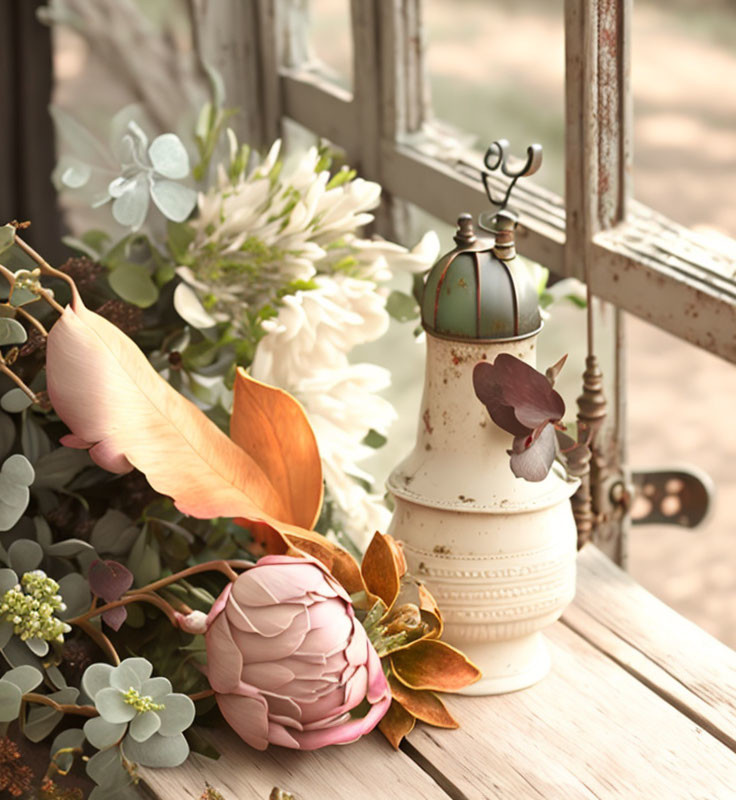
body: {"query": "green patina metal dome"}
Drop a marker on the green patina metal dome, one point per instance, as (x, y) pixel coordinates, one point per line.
(480, 291)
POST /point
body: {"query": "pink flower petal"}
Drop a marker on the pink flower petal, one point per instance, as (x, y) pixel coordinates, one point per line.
(269, 677)
(278, 734)
(271, 620)
(75, 442)
(247, 716)
(107, 456)
(224, 660)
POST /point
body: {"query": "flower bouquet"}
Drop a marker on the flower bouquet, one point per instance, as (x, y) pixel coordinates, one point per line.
(162, 576)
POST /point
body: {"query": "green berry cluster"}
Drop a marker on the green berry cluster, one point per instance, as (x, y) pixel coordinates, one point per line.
(30, 606)
(141, 702)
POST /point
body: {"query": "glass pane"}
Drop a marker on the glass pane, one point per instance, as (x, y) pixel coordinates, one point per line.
(331, 41)
(684, 83)
(497, 72)
(692, 571)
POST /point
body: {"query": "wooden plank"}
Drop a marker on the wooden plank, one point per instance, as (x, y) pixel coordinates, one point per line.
(366, 770)
(703, 666)
(588, 730)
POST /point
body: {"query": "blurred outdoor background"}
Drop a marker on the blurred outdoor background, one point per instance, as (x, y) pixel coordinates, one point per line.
(497, 70)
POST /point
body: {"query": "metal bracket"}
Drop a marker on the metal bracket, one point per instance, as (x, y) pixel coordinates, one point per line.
(676, 496)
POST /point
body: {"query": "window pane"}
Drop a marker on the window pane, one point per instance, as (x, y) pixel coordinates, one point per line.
(497, 71)
(330, 39)
(684, 83)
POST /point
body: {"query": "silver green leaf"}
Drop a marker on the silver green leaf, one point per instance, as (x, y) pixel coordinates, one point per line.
(42, 720)
(74, 589)
(16, 476)
(24, 555)
(11, 331)
(158, 751)
(10, 701)
(114, 533)
(133, 283)
(15, 401)
(63, 745)
(7, 237)
(190, 309)
(174, 201)
(169, 156)
(103, 734)
(55, 469)
(26, 678)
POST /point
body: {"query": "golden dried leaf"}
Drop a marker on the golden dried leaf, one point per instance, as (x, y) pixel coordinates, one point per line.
(425, 706)
(396, 723)
(272, 428)
(380, 569)
(434, 665)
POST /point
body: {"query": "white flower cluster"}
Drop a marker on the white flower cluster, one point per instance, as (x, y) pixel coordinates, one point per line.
(304, 228)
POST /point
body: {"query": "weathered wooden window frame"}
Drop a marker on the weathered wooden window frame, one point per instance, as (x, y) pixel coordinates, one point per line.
(633, 257)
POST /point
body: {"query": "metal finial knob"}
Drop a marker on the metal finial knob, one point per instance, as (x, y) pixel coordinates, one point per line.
(465, 234)
(497, 158)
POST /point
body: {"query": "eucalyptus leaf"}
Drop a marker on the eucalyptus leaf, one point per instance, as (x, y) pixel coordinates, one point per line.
(55, 676)
(33, 440)
(76, 174)
(144, 561)
(69, 548)
(402, 307)
(174, 201)
(106, 768)
(43, 532)
(63, 746)
(22, 296)
(11, 331)
(16, 654)
(169, 156)
(158, 751)
(24, 555)
(76, 594)
(10, 701)
(15, 401)
(114, 533)
(39, 647)
(7, 237)
(16, 476)
(57, 468)
(6, 633)
(43, 719)
(26, 678)
(133, 283)
(131, 205)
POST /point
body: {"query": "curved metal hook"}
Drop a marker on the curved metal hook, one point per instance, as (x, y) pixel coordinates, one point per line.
(497, 155)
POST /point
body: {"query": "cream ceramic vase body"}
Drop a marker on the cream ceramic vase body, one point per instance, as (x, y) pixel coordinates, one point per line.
(498, 552)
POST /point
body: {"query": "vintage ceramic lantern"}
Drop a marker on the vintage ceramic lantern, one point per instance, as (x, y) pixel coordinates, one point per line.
(498, 552)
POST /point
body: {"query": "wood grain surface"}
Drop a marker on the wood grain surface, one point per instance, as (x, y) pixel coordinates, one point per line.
(640, 703)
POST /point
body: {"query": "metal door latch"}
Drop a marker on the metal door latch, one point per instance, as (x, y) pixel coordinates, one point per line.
(681, 496)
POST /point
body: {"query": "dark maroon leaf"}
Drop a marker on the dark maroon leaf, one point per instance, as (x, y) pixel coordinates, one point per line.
(115, 617)
(533, 459)
(509, 382)
(109, 580)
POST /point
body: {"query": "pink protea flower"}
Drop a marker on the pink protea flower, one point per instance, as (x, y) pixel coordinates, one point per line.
(289, 662)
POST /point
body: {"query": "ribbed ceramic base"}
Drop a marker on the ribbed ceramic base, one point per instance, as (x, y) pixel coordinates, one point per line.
(510, 665)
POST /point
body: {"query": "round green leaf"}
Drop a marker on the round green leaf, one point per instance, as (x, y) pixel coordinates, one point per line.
(96, 677)
(112, 706)
(55, 469)
(43, 719)
(174, 201)
(106, 769)
(10, 700)
(169, 156)
(24, 555)
(75, 591)
(39, 647)
(131, 201)
(133, 283)
(114, 533)
(76, 175)
(71, 739)
(103, 734)
(158, 751)
(11, 331)
(26, 678)
(15, 401)
(177, 714)
(143, 726)
(69, 548)
(6, 633)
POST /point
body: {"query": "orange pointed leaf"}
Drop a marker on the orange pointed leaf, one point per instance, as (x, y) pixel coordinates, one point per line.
(272, 427)
(425, 706)
(396, 723)
(103, 387)
(381, 570)
(434, 665)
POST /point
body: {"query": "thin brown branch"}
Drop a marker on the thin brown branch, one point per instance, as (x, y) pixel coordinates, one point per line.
(226, 567)
(65, 708)
(127, 599)
(99, 638)
(39, 327)
(46, 268)
(13, 377)
(201, 695)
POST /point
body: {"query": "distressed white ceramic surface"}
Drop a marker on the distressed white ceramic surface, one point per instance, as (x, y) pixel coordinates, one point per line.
(497, 552)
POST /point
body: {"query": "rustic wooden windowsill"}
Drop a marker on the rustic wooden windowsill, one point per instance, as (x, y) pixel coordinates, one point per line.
(640, 703)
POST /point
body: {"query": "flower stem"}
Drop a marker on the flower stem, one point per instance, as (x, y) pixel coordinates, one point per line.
(5, 369)
(65, 708)
(41, 261)
(138, 596)
(226, 567)
(99, 638)
(39, 327)
(201, 695)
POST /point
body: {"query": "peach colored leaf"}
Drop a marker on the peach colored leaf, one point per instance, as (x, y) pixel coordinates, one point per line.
(397, 722)
(434, 665)
(380, 570)
(103, 387)
(425, 706)
(272, 427)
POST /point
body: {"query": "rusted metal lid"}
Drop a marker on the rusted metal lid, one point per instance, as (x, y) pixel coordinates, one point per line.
(472, 294)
